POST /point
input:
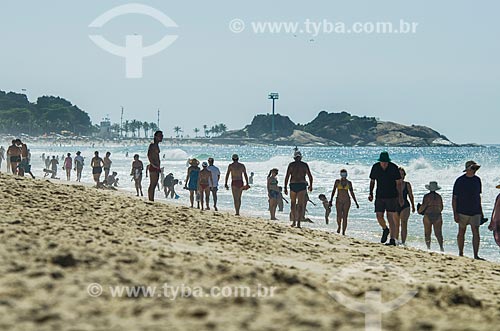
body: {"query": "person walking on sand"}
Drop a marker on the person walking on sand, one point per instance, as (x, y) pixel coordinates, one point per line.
(215, 180)
(273, 192)
(107, 164)
(136, 173)
(53, 165)
(495, 219)
(237, 171)
(47, 162)
(403, 213)
(97, 164)
(296, 174)
(343, 203)
(79, 161)
(14, 155)
(389, 194)
(204, 183)
(467, 209)
(250, 179)
(431, 208)
(154, 164)
(68, 165)
(326, 205)
(24, 157)
(191, 182)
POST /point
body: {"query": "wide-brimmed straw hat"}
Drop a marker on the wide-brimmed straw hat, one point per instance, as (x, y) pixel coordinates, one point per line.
(471, 164)
(433, 186)
(194, 162)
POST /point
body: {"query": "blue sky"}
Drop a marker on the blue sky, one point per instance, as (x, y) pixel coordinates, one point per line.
(445, 76)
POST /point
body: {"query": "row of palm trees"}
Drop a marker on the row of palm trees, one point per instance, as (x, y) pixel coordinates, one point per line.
(134, 127)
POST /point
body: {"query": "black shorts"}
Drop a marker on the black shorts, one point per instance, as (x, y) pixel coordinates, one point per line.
(96, 170)
(298, 187)
(390, 205)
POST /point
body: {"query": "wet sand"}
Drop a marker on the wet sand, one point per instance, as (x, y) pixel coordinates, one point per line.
(56, 240)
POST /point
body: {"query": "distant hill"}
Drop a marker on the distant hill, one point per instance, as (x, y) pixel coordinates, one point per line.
(48, 114)
(338, 129)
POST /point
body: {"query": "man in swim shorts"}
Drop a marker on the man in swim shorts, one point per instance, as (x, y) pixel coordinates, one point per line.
(204, 184)
(154, 164)
(296, 175)
(237, 171)
(14, 155)
(96, 164)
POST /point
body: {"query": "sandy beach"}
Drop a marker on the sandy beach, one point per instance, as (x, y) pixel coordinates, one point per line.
(57, 240)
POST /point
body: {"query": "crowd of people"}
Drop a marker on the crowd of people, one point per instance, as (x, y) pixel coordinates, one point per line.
(391, 195)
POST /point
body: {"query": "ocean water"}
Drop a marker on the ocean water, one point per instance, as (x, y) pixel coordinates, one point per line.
(422, 165)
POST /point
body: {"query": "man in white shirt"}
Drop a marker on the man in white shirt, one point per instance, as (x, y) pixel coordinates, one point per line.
(215, 180)
(79, 161)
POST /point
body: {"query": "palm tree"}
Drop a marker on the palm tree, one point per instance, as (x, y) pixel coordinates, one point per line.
(153, 127)
(222, 128)
(205, 130)
(146, 127)
(196, 130)
(177, 130)
(115, 128)
(126, 128)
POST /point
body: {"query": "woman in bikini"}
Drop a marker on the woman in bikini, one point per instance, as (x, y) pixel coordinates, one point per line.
(273, 192)
(191, 182)
(404, 213)
(68, 165)
(431, 208)
(343, 202)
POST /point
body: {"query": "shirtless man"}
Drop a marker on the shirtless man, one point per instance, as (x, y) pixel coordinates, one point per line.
(296, 174)
(96, 164)
(24, 157)
(14, 155)
(204, 183)
(107, 164)
(237, 171)
(154, 164)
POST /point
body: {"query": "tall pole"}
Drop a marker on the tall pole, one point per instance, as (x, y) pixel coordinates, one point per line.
(272, 122)
(121, 124)
(158, 120)
(273, 96)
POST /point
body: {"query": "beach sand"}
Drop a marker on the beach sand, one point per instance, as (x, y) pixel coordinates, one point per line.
(57, 239)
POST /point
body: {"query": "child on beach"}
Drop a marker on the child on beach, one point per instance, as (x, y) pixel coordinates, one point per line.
(281, 199)
(326, 205)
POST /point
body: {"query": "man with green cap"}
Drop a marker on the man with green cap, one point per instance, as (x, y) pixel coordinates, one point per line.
(389, 194)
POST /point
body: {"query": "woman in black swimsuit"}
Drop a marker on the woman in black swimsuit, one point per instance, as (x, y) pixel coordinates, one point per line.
(431, 208)
(404, 212)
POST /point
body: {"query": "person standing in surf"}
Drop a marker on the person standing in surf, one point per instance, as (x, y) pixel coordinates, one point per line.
(136, 173)
(467, 209)
(215, 180)
(154, 164)
(107, 164)
(403, 213)
(191, 182)
(273, 192)
(431, 208)
(495, 219)
(79, 161)
(96, 163)
(296, 174)
(389, 195)
(343, 202)
(68, 165)
(204, 184)
(237, 171)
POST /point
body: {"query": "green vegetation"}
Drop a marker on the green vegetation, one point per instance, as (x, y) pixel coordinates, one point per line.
(48, 114)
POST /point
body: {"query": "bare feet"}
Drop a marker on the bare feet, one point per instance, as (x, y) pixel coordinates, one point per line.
(215, 208)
